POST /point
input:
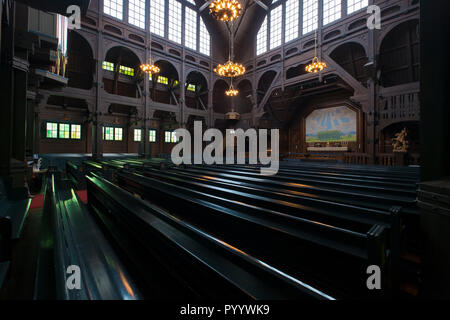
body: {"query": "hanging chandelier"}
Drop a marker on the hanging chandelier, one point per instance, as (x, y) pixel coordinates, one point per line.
(316, 65)
(150, 67)
(225, 10)
(230, 69)
(232, 92)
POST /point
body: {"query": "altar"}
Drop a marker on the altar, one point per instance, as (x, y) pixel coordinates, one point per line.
(327, 149)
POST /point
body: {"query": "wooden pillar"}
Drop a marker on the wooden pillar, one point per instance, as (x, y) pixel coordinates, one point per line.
(435, 145)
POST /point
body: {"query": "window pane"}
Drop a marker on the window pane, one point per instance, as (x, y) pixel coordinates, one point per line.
(52, 130)
(137, 135)
(157, 10)
(173, 137)
(108, 66)
(275, 27)
(152, 136)
(261, 38)
(163, 80)
(175, 21)
(167, 136)
(126, 71)
(113, 8)
(331, 11)
(136, 13)
(190, 29)
(310, 15)
(191, 87)
(355, 5)
(64, 131)
(75, 131)
(118, 134)
(291, 23)
(205, 39)
(109, 133)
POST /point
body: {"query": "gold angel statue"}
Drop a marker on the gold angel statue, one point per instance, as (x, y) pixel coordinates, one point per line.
(399, 143)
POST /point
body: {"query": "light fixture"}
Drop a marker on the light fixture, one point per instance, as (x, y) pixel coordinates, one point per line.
(225, 10)
(232, 92)
(230, 69)
(316, 65)
(149, 67)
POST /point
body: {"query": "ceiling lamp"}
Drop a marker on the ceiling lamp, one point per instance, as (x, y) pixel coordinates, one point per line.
(149, 67)
(232, 92)
(230, 69)
(225, 10)
(316, 65)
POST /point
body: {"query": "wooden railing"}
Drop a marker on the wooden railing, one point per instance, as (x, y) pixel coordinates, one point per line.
(383, 159)
(398, 107)
(358, 158)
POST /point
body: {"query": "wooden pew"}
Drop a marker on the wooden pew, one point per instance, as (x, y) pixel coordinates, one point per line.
(175, 259)
(344, 191)
(243, 225)
(333, 182)
(70, 237)
(76, 174)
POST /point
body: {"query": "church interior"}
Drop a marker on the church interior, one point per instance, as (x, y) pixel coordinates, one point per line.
(96, 95)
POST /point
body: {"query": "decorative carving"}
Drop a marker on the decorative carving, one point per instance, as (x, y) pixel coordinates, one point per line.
(399, 143)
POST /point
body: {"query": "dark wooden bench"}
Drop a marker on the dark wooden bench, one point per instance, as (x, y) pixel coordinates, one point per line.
(244, 224)
(175, 259)
(71, 237)
(76, 174)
